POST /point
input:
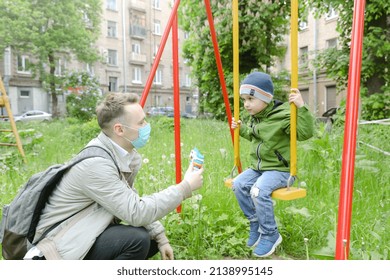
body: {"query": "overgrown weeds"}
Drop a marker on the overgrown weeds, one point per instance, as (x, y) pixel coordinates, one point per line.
(211, 225)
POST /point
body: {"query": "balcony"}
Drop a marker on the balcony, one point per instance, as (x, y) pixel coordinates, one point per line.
(137, 58)
(137, 5)
(137, 31)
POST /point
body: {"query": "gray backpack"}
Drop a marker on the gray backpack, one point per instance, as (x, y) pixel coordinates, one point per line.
(21, 216)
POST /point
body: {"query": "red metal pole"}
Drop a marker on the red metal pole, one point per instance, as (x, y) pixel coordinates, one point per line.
(351, 120)
(159, 54)
(219, 65)
(176, 102)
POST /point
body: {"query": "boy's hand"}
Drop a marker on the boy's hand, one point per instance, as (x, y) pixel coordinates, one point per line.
(235, 124)
(296, 98)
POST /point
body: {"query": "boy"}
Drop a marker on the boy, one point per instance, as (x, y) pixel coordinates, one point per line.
(269, 133)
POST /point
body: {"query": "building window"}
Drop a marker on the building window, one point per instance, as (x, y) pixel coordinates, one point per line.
(158, 77)
(303, 55)
(188, 80)
(330, 101)
(89, 69)
(332, 13)
(23, 64)
(136, 48)
(305, 95)
(60, 67)
(112, 58)
(111, 29)
(331, 43)
(137, 75)
(157, 27)
(158, 100)
(24, 94)
(156, 47)
(111, 5)
(156, 4)
(112, 84)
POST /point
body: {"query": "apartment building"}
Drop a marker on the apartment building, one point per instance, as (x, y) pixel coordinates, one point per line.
(131, 32)
(314, 36)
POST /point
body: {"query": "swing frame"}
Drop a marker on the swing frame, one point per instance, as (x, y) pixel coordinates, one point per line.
(288, 192)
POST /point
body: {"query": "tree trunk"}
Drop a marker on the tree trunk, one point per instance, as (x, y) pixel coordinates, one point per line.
(52, 87)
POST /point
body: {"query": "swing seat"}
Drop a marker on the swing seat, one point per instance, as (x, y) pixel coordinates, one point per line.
(290, 193)
(285, 193)
(229, 182)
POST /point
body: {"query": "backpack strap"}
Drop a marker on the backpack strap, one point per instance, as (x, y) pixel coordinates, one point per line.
(94, 151)
(85, 153)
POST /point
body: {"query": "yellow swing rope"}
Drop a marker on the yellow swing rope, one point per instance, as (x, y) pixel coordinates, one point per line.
(236, 82)
(289, 192)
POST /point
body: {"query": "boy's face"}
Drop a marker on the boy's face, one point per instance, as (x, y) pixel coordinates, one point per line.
(252, 104)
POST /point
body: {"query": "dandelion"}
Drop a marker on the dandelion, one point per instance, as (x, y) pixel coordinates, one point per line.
(146, 160)
(198, 197)
(303, 184)
(152, 178)
(172, 156)
(195, 206)
(181, 144)
(223, 152)
(163, 157)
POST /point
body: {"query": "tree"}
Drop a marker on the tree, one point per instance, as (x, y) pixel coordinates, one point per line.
(49, 30)
(84, 94)
(262, 25)
(375, 77)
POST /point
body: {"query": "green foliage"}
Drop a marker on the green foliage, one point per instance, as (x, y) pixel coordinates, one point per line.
(82, 103)
(376, 106)
(262, 27)
(375, 76)
(49, 31)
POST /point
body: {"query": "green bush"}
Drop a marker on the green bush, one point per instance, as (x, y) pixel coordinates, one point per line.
(81, 103)
(376, 106)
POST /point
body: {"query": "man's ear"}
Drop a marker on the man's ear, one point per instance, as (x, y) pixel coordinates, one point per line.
(118, 129)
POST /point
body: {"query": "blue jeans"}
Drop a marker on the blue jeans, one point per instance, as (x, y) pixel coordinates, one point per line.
(253, 190)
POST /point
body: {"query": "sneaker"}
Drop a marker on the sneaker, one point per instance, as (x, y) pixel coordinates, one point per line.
(254, 234)
(267, 245)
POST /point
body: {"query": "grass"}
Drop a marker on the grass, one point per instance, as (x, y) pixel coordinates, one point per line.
(211, 225)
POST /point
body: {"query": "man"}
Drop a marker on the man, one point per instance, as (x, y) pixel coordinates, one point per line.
(95, 196)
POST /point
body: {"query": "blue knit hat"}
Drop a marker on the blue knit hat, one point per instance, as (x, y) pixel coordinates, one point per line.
(259, 85)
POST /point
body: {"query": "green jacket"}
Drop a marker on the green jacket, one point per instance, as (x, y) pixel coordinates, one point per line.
(269, 132)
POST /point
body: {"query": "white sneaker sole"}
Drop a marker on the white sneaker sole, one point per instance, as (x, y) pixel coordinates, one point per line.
(277, 243)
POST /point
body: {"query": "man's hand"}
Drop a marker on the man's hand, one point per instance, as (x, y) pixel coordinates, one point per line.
(166, 252)
(194, 177)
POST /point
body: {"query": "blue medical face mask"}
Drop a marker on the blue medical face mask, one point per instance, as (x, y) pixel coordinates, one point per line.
(143, 136)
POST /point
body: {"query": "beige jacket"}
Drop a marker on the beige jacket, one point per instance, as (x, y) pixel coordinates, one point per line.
(95, 193)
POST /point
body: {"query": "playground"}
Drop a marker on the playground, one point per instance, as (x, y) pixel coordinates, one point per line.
(335, 168)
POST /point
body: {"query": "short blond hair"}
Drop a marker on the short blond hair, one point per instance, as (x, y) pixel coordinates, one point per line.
(112, 108)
